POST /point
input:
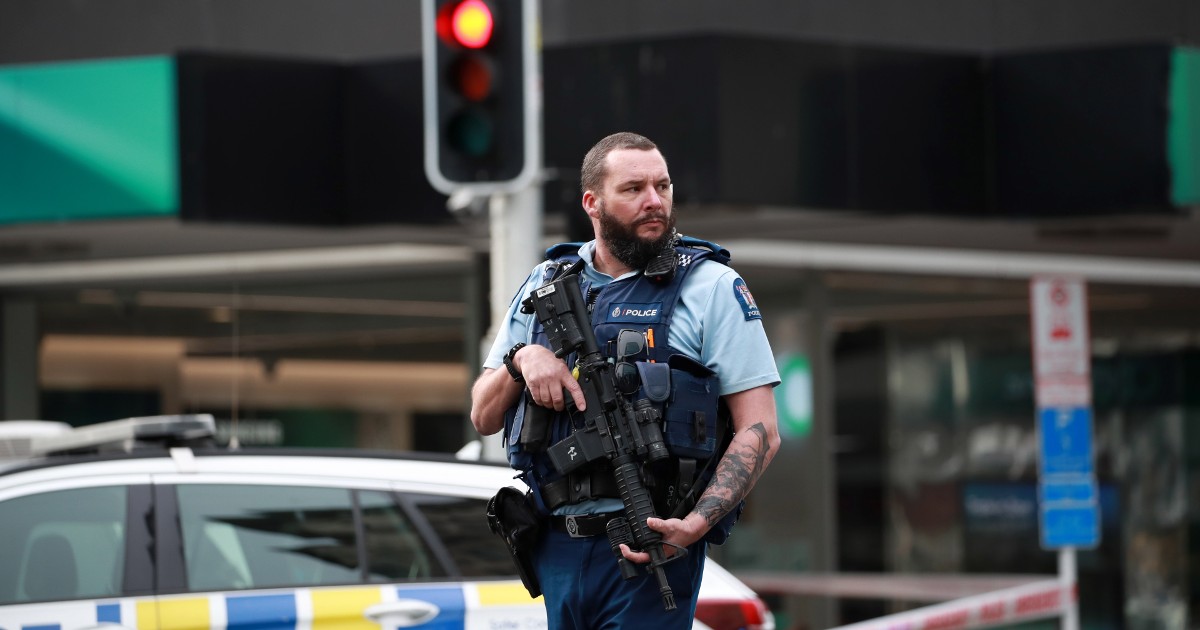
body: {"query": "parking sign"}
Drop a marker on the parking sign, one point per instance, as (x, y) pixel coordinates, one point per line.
(1062, 357)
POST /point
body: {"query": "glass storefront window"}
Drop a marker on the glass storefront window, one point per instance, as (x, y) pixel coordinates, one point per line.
(962, 469)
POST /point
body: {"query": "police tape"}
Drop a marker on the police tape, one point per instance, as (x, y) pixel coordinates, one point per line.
(1037, 600)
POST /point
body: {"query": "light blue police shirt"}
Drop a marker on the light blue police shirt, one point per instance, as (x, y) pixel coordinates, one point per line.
(709, 324)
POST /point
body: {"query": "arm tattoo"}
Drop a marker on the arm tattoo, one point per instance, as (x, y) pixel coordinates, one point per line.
(736, 473)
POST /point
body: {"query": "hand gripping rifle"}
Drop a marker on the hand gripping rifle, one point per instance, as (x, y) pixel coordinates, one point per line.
(612, 430)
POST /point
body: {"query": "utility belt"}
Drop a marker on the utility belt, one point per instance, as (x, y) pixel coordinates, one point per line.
(671, 484)
(582, 525)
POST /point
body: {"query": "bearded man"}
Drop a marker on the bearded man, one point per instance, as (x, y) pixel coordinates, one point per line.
(685, 320)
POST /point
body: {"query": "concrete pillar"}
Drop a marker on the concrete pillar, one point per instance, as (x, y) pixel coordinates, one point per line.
(18, 359)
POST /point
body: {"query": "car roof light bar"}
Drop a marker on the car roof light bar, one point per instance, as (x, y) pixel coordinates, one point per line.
(127, 435)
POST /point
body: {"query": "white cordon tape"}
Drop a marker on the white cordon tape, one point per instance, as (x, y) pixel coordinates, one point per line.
(1038, 600)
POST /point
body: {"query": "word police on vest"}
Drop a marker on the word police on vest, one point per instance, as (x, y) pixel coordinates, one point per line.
(635, 312)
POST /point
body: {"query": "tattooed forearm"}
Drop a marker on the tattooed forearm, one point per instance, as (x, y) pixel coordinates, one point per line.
(738, 470)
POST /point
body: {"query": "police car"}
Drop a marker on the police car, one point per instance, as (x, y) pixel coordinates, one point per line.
(141, 523)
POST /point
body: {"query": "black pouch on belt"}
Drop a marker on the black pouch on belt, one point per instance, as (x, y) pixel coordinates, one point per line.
(513, 517)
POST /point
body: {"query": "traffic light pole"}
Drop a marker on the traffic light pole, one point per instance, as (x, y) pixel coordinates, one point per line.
(515, 223)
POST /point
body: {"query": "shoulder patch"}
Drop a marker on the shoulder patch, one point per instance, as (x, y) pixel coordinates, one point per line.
(749, 306)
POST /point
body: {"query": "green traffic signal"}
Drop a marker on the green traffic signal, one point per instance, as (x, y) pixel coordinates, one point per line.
(471, 132)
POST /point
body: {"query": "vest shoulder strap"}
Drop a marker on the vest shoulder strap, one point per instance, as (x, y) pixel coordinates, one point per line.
(563, 251)
(719, 254)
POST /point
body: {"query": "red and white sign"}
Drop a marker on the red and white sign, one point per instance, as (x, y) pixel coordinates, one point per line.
(1061, 341)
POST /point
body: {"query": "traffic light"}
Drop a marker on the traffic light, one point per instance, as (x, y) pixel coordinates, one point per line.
(481, 105)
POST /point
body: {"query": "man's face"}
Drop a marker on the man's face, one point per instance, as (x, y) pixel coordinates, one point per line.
(634, 207)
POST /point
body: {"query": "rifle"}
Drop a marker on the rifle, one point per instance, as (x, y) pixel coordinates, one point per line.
(612, 430)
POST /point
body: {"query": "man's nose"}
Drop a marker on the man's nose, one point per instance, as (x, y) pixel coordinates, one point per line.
(654, 201)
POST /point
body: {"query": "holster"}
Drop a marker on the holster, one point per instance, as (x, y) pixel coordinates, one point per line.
(513, 517)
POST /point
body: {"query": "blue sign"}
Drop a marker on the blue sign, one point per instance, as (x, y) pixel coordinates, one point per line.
(1070, 525)
(1080, 489)
(1069, 503)
(1066, 436)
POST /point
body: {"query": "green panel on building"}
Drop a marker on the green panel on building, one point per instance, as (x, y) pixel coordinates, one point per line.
(88, 140)
(1183, 128)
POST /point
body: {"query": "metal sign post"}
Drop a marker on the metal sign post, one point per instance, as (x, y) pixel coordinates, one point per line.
(1067, 492)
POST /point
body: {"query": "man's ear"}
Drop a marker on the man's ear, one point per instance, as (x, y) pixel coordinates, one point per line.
(590, 205)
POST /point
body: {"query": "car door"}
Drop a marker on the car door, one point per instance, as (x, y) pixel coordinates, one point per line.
(76, 557)
(497, 598)
(271, 554)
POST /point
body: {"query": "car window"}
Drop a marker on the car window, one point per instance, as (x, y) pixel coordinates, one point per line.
(461, 523)
(63, 545)
(395, 551)
(257, 536)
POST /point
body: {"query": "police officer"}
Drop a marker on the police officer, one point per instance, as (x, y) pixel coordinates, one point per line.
(698, 317)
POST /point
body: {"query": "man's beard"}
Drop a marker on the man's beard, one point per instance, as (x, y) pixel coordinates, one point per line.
(624, 243)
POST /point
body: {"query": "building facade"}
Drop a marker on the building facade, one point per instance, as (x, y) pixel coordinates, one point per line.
(219, 207)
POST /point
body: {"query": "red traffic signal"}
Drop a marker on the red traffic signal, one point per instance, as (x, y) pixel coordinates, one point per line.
(468, 23)
(471, 76)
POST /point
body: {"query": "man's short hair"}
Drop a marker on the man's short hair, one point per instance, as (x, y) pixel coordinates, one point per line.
(594, 169)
